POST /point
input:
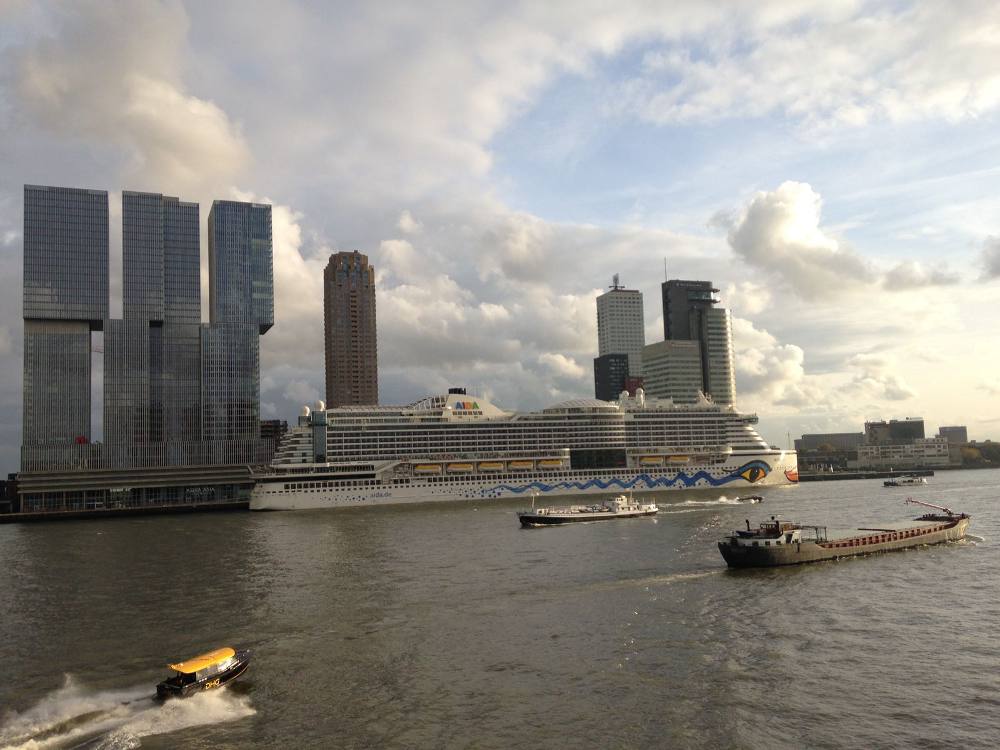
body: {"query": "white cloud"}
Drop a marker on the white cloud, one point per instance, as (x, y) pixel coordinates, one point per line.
(408, 225)
(779, 232)
(913, 275)
(110, 73)
(875, 376)
(861, 63)
(989, 258)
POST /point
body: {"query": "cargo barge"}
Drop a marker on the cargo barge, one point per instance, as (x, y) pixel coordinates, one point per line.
(776, 542)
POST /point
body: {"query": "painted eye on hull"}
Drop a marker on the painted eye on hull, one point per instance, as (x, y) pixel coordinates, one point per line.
(754, 471)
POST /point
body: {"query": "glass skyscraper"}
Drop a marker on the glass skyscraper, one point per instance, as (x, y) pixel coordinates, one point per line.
(689, 314)
(241, 294)
(176, 392)
(65, 298)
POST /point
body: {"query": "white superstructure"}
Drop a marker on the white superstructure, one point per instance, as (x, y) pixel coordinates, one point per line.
(457, 447)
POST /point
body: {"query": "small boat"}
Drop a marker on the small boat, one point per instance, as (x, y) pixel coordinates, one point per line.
(778, 542)
(907, 481)
(616, 507)
(205, 672)
(750, 499)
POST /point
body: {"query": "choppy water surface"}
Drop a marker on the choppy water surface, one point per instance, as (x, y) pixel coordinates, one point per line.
(450, 626)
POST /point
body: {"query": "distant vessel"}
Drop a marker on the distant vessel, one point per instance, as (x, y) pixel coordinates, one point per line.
(777, 542)
(461, 447)
(617, 507)
(907, 481)
(205, 672)
(750, 499)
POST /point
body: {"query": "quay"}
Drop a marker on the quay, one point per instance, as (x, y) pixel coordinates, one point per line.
(831, 476)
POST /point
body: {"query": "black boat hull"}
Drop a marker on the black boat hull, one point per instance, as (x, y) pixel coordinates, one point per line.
(531, 519)
(739, 556)
(170, 689)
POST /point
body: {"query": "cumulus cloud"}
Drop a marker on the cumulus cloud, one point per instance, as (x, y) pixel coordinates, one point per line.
(407, 224)
(989, 258)
(129, 91)
(771, 372)
(875, 375)
(913, 275)
(779, 232)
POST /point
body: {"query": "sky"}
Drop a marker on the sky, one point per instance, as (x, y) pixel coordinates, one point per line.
(833, 167)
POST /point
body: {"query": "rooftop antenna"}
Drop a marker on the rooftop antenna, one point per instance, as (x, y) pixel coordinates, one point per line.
(615, 284)
(665, 268)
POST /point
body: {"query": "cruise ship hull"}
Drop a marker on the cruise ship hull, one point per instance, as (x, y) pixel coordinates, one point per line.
(315, 489)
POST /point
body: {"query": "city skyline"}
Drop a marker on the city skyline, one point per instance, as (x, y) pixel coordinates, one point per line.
(843, 202)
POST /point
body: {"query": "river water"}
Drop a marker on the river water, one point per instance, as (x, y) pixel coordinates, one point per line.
(447, 625)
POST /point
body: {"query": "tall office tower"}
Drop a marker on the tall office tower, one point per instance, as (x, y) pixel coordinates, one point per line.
(620, 327)
(240, 275)
(152, 358)
(349, 331)
(673, 370)
(241, 301)
(65, 298)
(689, 314)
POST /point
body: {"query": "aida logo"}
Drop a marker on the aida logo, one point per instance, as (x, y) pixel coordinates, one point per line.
(466, 405)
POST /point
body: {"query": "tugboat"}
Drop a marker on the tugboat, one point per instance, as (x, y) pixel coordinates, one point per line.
(617, 507)
(777, 542)
(907, 481)
(212, 670)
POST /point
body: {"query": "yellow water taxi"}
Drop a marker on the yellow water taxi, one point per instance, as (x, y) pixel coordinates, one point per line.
(205, 672)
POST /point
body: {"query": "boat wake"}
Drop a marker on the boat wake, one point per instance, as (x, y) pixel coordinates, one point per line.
(75, 716)
(689, 506)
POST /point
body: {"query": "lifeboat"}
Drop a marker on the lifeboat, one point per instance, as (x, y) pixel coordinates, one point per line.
(651, 461)
(460, 468)
(427, 469)
(678, 459)
(550, 463)
(491, 466)
(206, 672)
(522, 465)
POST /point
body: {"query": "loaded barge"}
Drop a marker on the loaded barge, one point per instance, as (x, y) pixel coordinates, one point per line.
(778, 542)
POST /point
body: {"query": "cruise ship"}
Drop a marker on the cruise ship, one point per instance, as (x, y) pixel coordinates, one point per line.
(462, 447)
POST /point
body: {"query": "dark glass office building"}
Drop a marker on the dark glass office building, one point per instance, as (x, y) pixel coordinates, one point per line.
(610, 374)
(176, 392)
(65, 299)
(690, 314)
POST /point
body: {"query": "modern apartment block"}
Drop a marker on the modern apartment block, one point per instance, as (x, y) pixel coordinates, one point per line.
(349, 331)
(620, 326)
(177, 393)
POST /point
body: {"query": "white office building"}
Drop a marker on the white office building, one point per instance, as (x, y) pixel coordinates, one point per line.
(620, 325)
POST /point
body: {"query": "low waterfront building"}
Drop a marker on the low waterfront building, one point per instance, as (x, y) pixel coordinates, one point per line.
(922, 453)
(826, 440)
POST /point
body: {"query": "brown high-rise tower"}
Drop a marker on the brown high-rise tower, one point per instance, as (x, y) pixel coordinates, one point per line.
(349, 331)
